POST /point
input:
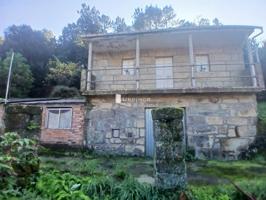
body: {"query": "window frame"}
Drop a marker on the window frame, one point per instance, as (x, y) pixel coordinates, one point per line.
(59, 109)
(196, 65)
(133, 66)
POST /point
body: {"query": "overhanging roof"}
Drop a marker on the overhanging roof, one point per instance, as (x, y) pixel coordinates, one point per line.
(203, 36)
(248, 28)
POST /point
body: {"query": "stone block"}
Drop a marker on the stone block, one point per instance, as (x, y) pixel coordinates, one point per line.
(108, 135)
(115, 140)
(232, 132)
(140, 123)
(142, 132)
(246, 131)
(237, 121)
(134, 149)
(140, 141)
(214, 120)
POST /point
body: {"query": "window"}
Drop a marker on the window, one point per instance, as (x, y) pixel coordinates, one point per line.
(202, 63)
(59, 118)
(128, 66)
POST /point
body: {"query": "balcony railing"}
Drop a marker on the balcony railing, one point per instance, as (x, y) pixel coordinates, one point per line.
(151, 77)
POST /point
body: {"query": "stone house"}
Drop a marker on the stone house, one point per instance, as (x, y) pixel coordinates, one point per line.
(210, 72)
(51, 121)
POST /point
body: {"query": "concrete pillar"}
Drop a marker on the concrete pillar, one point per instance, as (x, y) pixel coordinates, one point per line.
(137, 63)
(251, 64)
(170, 146)
(89, 73)
(191, 59)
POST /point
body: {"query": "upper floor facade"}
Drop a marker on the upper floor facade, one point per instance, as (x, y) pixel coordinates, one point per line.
(183, 60)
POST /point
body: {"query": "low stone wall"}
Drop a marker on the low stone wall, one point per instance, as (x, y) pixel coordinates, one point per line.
(217, 126)
(2, 124)
(23, 119)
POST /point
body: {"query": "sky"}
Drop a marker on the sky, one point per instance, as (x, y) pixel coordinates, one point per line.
(55, 14)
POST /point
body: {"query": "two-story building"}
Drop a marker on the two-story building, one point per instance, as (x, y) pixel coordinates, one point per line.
(211, 72)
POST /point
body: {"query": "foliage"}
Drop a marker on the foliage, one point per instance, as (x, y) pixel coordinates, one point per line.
(255, 188)
(36, 46)
(154, 17)
(257, 148)
(210, 193)
(261, 125)
(60, 73)
(32, 125)
(18, 162)
(190, 154)
(119, 25)
(21, 79)
(64, 92)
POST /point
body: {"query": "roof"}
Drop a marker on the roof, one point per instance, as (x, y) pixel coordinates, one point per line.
(37, 101)
(178, 29)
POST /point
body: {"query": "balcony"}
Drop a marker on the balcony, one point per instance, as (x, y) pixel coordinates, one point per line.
(172, 61)
(235, 77)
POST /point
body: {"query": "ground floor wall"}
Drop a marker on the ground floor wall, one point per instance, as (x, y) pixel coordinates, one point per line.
(219, 125)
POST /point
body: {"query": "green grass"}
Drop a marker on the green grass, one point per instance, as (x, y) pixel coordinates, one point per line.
(199, 172)
(93, 165)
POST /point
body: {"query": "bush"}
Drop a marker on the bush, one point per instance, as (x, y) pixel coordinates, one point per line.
(255, 188)
(64, 92)
(210, 193)
(255, 150)
(18, 160)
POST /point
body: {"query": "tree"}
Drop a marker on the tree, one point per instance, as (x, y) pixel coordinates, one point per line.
(119, 25)
(21, 79)
(60, 73)
(70, 45)
(154, 17)
(36, 46)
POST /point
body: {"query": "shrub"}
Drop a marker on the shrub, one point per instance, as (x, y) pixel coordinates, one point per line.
(18, 160)
(255, 188)
(210, 193)
(257, 148)
(65, 186)
(64, 92)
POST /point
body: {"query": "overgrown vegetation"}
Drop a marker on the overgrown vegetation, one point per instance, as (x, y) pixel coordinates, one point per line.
(82, 175)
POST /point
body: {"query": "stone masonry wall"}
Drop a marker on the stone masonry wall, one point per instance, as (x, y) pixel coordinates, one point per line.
(224, 62)
(2, 124)
(216, 125)
(73, 136)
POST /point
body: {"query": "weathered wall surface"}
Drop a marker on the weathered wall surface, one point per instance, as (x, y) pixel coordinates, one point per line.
(25, 120)
(224, 63)
(217, 125)
(73, 136)
(2, 124)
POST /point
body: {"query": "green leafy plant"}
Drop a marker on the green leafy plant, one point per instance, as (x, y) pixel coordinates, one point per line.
(18, 159)
(32, 125)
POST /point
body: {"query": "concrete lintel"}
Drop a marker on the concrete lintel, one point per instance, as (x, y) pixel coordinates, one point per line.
(177, 91)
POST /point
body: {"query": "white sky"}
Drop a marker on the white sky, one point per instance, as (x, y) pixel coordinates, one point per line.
(55, 14)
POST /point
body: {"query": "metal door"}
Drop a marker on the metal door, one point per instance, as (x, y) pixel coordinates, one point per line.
(149, 146)
(164, 72)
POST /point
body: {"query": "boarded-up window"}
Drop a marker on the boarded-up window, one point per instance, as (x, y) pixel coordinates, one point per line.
(59, 118)
(202, 63)
(128, 66)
